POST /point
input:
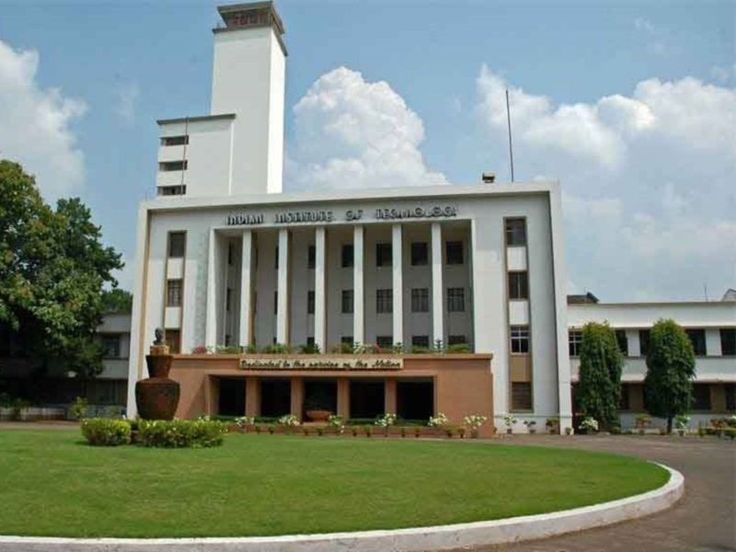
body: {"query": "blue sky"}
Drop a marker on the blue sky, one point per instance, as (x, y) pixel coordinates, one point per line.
(127, 64)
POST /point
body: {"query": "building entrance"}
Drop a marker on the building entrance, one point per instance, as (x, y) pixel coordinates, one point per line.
(415, 399)
(275, 397)
(367, 398)
(231, 397)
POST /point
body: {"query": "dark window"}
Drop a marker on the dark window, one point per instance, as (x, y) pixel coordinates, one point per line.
(697, 338)
(643, 342)
(173, 340)
(521, 396)
(311, 257)
(383, 254)
(623, 343)
(519, 339)
(420, 341)
(310, 341)
(420, 300)
(728, 341)
(275, 302)
(171, 190)
(111, 346)
(624, 402)
(347, 255)
(347, 301)
(229, 254)
(168, 166)
(515, 231)
(454, 252)
(228, 299)
(174, 140)
(384, 301)
(455, 300)
(276, 258)
(347, 340)
(310, 302)
(384, 341)
(419, 254)
(518, 285)
(177, 243)
(701, 396)
(173, 293)
(456, 340)
(575, 338)
(730, 390)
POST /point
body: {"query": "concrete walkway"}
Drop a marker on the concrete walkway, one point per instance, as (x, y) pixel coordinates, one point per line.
(704, 520)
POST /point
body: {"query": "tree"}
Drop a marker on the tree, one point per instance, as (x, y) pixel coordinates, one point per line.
(117, 300)
(670, 371)
(52, 271)
(599, 387)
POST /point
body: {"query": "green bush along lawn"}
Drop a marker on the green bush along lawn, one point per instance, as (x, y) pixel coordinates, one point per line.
(52, 483)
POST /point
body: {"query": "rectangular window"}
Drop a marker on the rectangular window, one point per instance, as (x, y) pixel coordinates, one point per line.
(384, 301)
(111, 346)
(228, 299)
(384, 341)
(643, 342)
(275, 302)
(518, 285)
(420, 300)
(310, 302)
(624, 402)
(623, 342)
(697, 338)
(173, 340)
(173, 293)
(455, 299)
(171, 190)
(347, 301)
(175, 140)
(347, 340)
(420, 341)
(519, 339)
(311, 257)
(728, 341)
(454, 252)
(177, 243)
(730, 391)
(168, 166)
(347, 255)
(456, 340)
(521, 396)
(310, 341)
(515, 232)
(384, 254)
(419, 254)
(574, 338)
(701, 396)
(230, 254)
(276, 258)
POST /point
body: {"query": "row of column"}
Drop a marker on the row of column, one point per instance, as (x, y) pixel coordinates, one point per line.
(246, 333)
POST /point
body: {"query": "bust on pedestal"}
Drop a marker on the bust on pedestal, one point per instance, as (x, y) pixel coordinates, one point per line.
(157, 396)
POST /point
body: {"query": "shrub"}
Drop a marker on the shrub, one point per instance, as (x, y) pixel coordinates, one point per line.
(200, 350)
(228, 350)
(105, 432)
(79, 408)
(458, 348)
(438, 421)
(589, 424)
(309, 349)
(181, 433)
(277, 349)
(289, 420)
(386, 420)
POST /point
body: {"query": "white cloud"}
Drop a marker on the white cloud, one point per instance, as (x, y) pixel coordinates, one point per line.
(657, 36)
(648, 179)
(127, 99)
(35, 125)
(350, 133)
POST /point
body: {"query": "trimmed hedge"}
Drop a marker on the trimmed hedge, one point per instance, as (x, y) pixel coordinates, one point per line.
(106, 432)
(181, 433)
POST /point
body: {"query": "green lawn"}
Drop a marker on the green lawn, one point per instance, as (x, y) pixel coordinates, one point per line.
(51, 483)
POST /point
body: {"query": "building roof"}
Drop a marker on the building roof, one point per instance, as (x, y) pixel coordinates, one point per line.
(578, 299)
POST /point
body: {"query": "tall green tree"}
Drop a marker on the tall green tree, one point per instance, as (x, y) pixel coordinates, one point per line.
(117, 300)
(599, 386)
(670, 371)
(53, 267)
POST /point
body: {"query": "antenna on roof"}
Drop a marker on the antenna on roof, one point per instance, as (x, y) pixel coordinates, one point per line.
(705, 291)
(511, 149)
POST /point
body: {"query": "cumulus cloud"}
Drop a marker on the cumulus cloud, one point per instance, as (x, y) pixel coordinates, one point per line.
(350, 133)
(35, 125)
(648, 181)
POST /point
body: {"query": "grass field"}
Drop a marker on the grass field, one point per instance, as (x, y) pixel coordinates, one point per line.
(51, 483)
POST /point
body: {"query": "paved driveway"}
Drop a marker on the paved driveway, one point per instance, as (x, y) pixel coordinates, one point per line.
(703, 520)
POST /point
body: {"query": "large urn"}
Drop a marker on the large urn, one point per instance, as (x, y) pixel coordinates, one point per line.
(157, 396)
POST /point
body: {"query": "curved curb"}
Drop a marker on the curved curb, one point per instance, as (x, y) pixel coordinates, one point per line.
(440, 537)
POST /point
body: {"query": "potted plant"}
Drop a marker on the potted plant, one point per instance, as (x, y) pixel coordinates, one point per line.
(531, 426)
(474, 422)
(589, 425)
(553, 425)
(681, 424)
(509, 421)
(317, 407)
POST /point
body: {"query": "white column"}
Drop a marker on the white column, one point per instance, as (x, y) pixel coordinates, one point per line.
(398, 284)
(246, 290)
(210, 336)
(358, 289)
(282, 311)
(437, 295)
(320, 304)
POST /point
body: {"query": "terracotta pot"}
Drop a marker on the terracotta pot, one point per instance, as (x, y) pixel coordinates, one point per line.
(158, 365)
(318, 415)
(157, 398)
